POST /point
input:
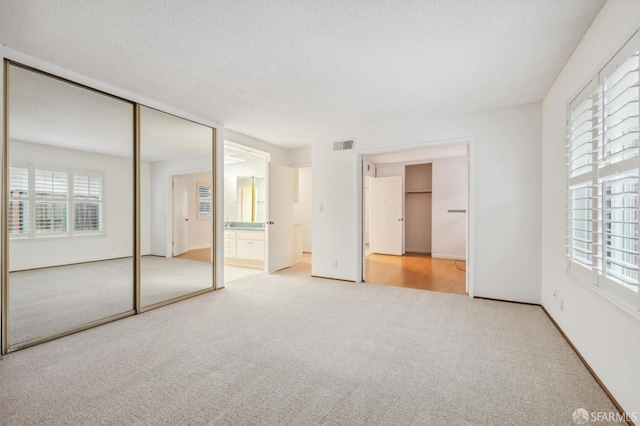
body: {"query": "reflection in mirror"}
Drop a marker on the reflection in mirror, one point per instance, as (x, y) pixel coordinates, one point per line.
(70, 206)
(245, 190)
(245, 211)
(176, 206)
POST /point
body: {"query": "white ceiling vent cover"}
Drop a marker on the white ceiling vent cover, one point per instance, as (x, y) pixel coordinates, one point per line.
(342, 145)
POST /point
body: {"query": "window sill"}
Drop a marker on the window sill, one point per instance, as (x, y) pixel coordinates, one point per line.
(623, 306)
(54, 237)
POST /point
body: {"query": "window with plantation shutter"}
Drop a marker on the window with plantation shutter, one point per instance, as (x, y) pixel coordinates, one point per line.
(204, 201)
(603, 178)
(87, 202)
(51, 201)
(18, 213)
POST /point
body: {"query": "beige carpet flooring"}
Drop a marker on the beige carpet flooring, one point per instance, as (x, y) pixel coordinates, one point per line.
(290, 349)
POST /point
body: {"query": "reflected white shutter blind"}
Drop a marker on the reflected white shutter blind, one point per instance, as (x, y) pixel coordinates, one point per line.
(51, 195)
(18, 213)
(87, 201)
(204, 201)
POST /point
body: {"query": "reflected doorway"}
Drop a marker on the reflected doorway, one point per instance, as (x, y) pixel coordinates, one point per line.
(192, 205)
(176, 208)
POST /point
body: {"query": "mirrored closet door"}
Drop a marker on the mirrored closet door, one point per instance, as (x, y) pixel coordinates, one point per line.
(69, 199)
(176, 207)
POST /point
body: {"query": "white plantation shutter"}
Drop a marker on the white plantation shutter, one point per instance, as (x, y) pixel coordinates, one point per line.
(582, 157)
(18, 213)
(43, 203)
(205, 201)
(621, 229)
(603, 177)
(619, 166)
(51, 205)
(581, 223)
(582, 132)
(87, 202)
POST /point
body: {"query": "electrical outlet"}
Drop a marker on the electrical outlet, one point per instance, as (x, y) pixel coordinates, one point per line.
(335, 263)
(561, 304)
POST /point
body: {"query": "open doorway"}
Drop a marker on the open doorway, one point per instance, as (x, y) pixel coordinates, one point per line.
(192, 208)
(267, 213)
(415, 218)
(302, 218)
(245, 211)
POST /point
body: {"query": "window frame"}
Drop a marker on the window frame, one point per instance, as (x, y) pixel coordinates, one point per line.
(70, 202)
(596, 275)
(34, 199)
(74, 200)
(25, 199)
(200, 199)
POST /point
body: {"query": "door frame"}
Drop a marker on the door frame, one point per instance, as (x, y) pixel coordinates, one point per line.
(267, 159)
(170, 224)
(471, 160)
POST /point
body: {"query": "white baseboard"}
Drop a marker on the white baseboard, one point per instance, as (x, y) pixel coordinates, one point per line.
(447, 256)
(412, 250)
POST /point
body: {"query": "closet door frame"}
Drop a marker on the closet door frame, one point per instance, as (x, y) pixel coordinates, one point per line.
(5, 346)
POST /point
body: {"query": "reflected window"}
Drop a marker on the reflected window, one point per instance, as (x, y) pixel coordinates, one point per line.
(87, 202)
(18, 201)
(70, 165)
(50, 201)
(204, 201)
(48, 208)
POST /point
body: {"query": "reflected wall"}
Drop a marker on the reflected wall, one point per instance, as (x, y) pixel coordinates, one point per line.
(109, 208)
(176, 223)
(69, 206)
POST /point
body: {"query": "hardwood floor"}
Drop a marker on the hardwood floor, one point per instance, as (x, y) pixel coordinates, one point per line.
(202, 255)
(416, 270)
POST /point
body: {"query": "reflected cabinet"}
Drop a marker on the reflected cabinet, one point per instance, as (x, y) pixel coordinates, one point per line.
(108, 208)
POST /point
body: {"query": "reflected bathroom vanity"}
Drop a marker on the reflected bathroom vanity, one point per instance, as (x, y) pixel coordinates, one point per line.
(244, 221)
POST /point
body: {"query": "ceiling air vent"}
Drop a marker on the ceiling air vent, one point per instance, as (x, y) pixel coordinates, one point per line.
(341, 146)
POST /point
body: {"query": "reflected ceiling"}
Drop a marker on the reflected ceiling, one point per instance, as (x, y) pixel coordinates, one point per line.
(48, 111)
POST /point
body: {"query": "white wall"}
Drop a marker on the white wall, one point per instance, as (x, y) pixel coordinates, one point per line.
(277, 154)
(390, 170)
(161, 223)
(199, 229)
(449, 235)
(256, 167)
(608, 338)
(299, 157)
(145, 208)
(505, 178)
(117, 240)
(302, 209)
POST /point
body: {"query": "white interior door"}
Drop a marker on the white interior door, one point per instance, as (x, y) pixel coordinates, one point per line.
(180, 216)
(280, 218)
(387, 216)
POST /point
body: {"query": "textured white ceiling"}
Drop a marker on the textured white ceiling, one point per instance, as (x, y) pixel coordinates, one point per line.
(291, 71)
